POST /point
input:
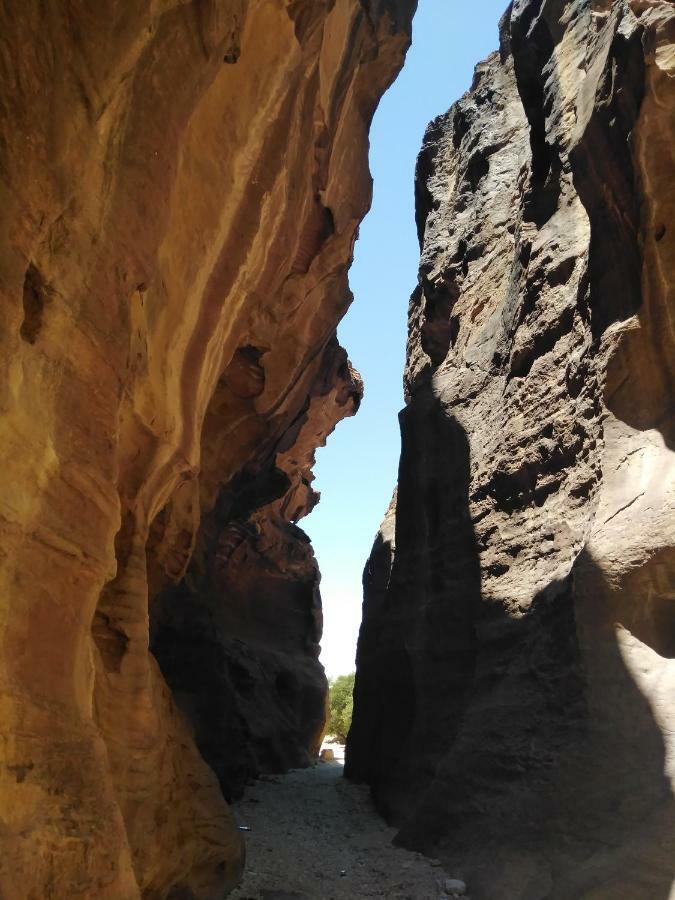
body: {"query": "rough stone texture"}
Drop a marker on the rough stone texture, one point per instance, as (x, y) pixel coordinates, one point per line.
(237, 639)
(515, 672)
(181, 184)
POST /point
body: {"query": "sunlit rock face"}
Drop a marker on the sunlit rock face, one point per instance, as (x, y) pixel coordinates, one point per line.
(514, 704)
(180, 185)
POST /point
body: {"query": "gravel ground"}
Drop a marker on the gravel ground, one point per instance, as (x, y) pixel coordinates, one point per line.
(315, 836)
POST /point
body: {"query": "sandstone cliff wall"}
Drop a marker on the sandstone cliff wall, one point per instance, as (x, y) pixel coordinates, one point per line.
(180, 185)
(515, 674)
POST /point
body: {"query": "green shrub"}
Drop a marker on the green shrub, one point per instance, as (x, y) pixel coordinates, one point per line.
(341, 703)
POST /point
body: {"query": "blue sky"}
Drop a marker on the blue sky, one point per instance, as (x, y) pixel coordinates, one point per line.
(356, 472)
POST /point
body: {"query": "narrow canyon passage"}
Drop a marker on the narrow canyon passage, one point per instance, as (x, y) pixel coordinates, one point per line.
(315, 836)
(182, 186)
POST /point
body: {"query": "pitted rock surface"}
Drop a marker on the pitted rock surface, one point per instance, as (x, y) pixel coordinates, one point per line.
(519, 624)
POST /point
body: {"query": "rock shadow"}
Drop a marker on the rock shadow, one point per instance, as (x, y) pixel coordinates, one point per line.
(515, 745)
(237, 639)
(416, 652)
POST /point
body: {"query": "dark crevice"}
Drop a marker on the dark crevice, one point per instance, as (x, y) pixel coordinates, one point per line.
(603, 177)
(476, 170)
(542, 342)
(439, 332)
(34, 298)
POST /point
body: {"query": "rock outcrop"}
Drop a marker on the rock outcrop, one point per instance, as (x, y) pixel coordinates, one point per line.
(515, 672)
(181, 185)
(238, 638)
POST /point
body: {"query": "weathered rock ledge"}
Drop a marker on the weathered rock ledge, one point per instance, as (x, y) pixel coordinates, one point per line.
(180, 184)
(515, 674)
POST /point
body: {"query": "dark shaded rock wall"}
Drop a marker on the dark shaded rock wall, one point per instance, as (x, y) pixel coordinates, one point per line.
(515, 671)
(238, 638)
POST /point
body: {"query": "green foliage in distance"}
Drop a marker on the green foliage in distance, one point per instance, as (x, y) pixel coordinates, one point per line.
(341, 704)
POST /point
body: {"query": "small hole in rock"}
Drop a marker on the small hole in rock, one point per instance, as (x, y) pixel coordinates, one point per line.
(33, 304)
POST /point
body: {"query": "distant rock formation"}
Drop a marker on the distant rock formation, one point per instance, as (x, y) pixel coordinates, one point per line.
(181, 185)
(514, 703)
(238, 638)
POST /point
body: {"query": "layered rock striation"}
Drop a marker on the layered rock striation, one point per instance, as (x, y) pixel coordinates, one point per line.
(180, 185)
(515, 671)
(238, 637)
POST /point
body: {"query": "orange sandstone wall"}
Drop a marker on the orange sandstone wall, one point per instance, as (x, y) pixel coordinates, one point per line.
(180, 186)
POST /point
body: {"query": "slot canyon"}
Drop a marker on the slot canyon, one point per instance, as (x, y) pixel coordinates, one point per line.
(182, 184)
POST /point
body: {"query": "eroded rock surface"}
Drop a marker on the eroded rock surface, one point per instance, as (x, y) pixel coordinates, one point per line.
(515, 674)
(180, 186)
(238, 637)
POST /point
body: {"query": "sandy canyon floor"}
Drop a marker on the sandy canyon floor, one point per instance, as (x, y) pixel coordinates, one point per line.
(315, 836)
